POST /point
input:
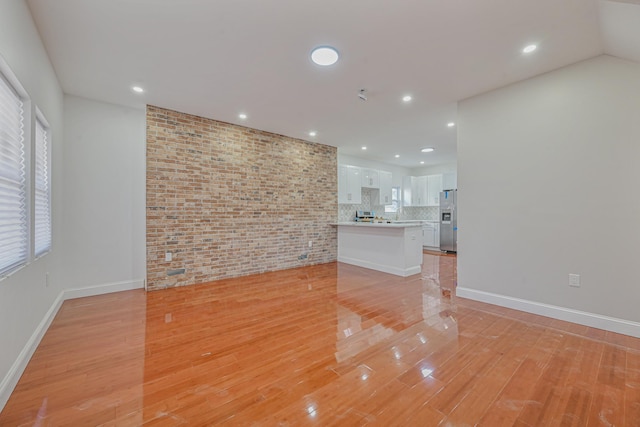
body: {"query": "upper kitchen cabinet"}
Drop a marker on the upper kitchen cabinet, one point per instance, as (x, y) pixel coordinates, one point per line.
(434, 187)
(421, 190)
(450, 181)
(349, 184)
(414, 191)
(385, 187)
(370, 178)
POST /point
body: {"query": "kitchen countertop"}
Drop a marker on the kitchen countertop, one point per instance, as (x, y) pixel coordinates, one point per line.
(403, 224)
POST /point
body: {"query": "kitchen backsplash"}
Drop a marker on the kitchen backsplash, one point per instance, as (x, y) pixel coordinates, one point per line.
(346, 212)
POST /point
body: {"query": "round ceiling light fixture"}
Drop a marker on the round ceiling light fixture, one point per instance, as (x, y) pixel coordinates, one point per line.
(427, 150)
(242, 116)
(406, 98)
(451, 124)
(324, 55)
(313, 133)
(137, 89)
(530, 48)
(364, 148)
(397, 156)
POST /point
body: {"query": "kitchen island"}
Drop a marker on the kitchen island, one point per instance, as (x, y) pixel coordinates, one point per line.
(394, 248)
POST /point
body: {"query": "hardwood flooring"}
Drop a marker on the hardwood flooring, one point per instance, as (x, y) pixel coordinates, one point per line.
(324, 345)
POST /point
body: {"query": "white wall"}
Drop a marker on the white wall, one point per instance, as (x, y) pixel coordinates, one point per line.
(24, 296)
(104, 199)
(435, 169)
(547, 177)
(98, 200)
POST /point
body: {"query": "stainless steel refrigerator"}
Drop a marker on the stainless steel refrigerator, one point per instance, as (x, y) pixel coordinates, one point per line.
(449, 221)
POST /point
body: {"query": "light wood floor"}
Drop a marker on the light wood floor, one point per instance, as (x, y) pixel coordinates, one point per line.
(324, 345)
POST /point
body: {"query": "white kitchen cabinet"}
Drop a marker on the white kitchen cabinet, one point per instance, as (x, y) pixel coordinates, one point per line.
(370, 178)
(407, 188)
(413, 190)
(421, 190)
(450, 181)
(428, 234)
(349, 184)
(431, 235)
(434, 187)
(385, 187)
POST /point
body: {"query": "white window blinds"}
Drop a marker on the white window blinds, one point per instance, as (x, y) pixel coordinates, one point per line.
(42, 208)
(13, 210)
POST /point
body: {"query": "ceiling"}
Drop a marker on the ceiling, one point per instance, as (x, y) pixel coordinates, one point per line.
(219, 58)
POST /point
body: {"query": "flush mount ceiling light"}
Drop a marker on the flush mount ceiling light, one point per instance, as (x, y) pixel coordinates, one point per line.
(137, 89)
(324, 55)
(364, 148)
(529, 48)
(427, 150)
(451, 124)
(397, 155)
(242, 116)
(422, 162)
(406, 98)
(313, 133)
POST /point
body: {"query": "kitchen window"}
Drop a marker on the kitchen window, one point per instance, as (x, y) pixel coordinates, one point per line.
(395, 195)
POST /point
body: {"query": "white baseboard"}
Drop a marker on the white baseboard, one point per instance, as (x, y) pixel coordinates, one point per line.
(106, 288)
(409, 271)
(593, 320)
(15, 372)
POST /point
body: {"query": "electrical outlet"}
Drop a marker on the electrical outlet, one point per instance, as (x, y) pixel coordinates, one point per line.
(574, 280)
(168, 256)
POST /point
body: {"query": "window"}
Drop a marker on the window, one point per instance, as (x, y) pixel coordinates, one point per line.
(42, 204)
(25, 176)
(395, 195)
(13, 184)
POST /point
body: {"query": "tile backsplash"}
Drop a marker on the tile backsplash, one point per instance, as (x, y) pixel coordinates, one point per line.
(346, 212)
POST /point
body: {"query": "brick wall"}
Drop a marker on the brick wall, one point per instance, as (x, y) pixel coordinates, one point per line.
(229, 201)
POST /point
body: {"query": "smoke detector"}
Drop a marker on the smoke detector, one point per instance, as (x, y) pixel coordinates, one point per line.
(361, 95)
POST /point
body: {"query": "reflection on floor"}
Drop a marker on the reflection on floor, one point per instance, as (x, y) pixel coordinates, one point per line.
(325, 345)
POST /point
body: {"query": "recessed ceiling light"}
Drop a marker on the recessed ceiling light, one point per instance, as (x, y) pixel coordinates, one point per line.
(242, 116)
(451, 124)
(137, 89)
(397, 155)
(427, 150)
(313, 133)
(406, 98)
(422, 163)
(364, 148)
(324, 55)
(530, 48)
